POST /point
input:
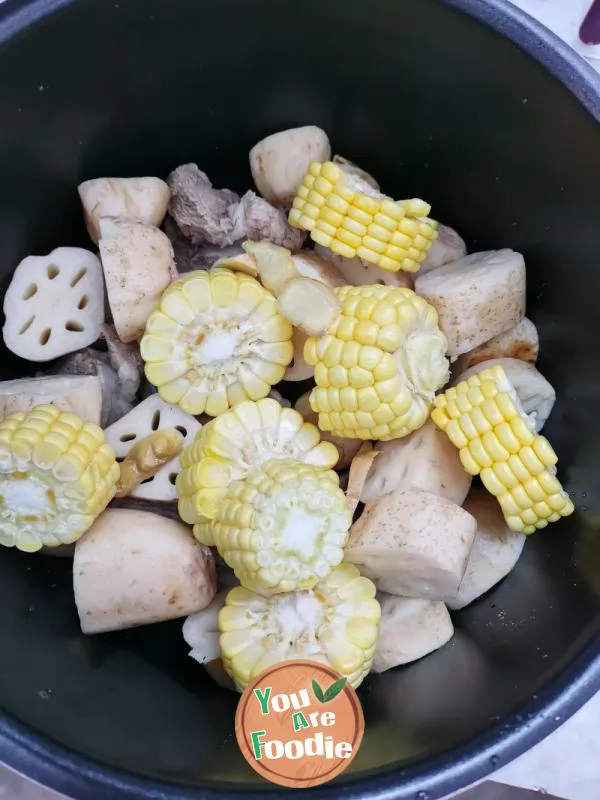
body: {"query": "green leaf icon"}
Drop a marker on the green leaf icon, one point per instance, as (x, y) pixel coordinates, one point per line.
(334, 690)
(318, 692)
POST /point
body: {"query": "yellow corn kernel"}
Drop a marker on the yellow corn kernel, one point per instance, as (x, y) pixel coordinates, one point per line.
(491, 482)
(390, 337)
(368, 254)
(342, 249)
(365, 307)
(314, 198)
(392, 209)
(505, 475)
(379, 234)
(386, 368)
(478, 418)
(545, 453)
(348, 399)
(346, 327)
(369, 357)
(520, 428)
(358, 376)
(373, 244)
(336, 202)
(321, 399)
(456, 434)
(467, 427)
(493, 447)
(401, 241)
(368, 401)
(328, 170)
(320, 237)
(358, 215)
(332, 217)
(480, 454)
(338, 377)
(325, 230)
(383, 313)
(367, 204)
(354, 227)
(415, 207)
(469, 463)
(508, 505)
(366, 332)
(333, 398)
(331, 354)
(305, 221)
(531, 461)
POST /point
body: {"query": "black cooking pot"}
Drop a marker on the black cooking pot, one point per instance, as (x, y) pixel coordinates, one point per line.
(467, 103)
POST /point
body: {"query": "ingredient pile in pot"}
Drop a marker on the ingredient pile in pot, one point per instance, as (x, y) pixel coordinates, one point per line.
(266, 413)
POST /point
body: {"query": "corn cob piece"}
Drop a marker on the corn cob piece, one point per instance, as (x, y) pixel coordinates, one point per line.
(336, 623)
(351, 218)
(216, 339)
(233, 444)
(484, 419)
(281, 528)
(379, 365)
(56, 476)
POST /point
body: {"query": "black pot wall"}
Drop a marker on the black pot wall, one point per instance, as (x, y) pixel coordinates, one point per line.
(436, 104)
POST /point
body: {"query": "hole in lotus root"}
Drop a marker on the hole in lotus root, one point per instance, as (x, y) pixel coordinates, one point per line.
(75, 327)
(79, 276)
(27, 325)
(30, 291)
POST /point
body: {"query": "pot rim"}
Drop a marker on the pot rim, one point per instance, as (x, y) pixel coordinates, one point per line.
(55, 766)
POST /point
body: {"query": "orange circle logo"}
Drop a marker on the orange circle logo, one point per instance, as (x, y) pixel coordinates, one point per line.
(299, 723)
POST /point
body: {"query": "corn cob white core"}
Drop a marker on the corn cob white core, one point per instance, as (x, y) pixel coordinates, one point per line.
(215, 344)
(31, 501)
(299, 525)
(335, 623)
(27, 496)
(299, 531)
